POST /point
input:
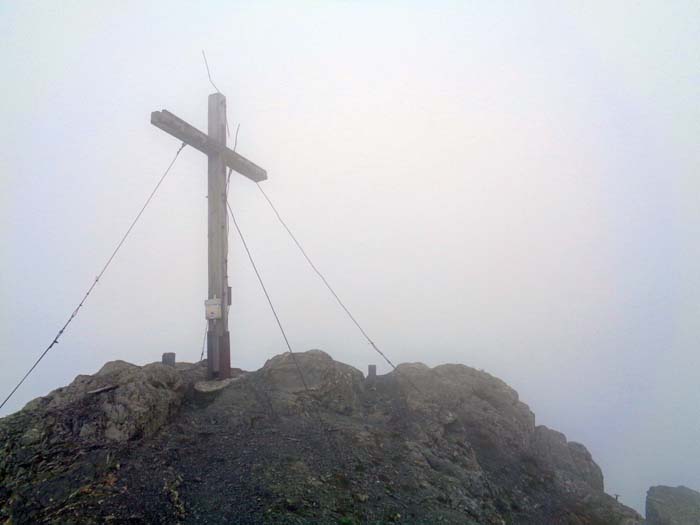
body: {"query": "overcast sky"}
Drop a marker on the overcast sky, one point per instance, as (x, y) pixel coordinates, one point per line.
(509, 185)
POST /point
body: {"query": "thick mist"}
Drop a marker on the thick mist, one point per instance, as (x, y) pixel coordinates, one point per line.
(509, 186)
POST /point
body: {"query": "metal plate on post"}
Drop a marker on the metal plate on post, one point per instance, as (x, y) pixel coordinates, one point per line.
(212, 309)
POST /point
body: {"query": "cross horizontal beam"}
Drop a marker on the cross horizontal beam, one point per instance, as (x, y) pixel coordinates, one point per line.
(187, 133)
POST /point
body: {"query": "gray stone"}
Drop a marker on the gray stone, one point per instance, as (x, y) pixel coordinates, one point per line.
(570, 461)
(672, 506)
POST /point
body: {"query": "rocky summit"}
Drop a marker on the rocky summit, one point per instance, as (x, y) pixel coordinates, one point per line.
(158, 444)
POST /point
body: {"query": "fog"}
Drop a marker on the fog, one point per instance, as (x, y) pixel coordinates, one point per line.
(512, 186)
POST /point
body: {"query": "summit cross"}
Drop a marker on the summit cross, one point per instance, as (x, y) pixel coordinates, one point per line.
(220, 157)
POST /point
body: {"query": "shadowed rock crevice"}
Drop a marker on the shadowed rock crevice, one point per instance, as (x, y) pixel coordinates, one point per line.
(153, 444)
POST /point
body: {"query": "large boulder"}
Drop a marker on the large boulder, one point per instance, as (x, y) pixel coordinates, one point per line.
(120, 402)
(64, 440)
(672, 506)
(470, 405)
(314, 373)
(536, 473)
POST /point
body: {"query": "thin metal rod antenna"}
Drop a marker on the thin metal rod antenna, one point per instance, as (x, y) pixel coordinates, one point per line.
(206, 64)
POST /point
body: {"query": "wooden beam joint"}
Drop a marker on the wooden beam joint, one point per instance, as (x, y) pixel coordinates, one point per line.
(190, 135)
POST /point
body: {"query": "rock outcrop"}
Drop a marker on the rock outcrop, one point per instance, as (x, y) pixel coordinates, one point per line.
(672, 506)
(448, 444)
(570, 461)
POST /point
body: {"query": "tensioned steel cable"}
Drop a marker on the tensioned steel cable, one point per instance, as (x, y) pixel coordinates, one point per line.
(330, 288)
(318, 272)
(204, 340)
(321, 422)
(267, 295)
(97, 279)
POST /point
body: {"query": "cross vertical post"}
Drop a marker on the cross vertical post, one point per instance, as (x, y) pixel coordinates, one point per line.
(218, 346)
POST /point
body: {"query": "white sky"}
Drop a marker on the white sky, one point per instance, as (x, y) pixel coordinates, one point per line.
(508, 185)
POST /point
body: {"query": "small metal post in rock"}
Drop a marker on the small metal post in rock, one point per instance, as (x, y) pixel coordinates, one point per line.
(169, 358)
(220, 157)
(372, 373)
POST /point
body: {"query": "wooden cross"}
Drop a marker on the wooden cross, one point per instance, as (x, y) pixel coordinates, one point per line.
(213, 145)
